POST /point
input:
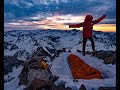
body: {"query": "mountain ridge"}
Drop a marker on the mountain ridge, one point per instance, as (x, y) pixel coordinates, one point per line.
(54, 39)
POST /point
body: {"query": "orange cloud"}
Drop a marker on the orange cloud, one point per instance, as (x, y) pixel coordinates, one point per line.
(59, 22)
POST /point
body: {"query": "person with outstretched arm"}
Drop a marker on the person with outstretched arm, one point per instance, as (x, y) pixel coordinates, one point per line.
(87, 30)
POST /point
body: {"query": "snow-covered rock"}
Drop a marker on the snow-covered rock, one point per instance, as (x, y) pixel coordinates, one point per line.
(54, 40)
(58, 45)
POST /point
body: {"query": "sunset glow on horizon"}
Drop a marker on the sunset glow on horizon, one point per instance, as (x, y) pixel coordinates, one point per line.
(58, 14)
(58, 22)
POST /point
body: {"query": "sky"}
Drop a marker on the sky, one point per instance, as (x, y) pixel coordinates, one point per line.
(57, 14)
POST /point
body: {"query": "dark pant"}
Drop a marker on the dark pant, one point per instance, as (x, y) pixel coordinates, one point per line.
(84, 43)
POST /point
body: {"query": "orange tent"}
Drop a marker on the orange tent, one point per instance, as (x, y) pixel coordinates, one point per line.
(81, 70)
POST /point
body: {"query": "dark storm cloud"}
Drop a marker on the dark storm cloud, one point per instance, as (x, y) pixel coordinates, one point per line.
(25, 9)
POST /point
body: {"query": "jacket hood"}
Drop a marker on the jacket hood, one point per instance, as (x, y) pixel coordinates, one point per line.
(88, 18)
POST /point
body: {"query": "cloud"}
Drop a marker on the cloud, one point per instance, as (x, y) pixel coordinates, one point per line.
(109, 21)
(35, 2)
(55, 13)
(22, 8)
(52, 22)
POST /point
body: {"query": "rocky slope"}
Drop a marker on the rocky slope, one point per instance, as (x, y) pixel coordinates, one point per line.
(20, 46)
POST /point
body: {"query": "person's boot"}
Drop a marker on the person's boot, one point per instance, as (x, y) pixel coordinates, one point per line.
(83, 54)
(94, 53)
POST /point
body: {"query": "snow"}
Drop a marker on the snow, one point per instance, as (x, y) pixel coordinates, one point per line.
(15, 72)
(12, 79)
(12, 85)
(21, 87)
(9, 53)
(22, 58)
(61, 68)
(47, 51)
(68, 40)
(25, 40)
(89, 84)
(98, 46)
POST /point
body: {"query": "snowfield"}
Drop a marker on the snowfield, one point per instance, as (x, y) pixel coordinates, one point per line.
(54, 39)
(61, 68)
(22, 44)
(13, 79)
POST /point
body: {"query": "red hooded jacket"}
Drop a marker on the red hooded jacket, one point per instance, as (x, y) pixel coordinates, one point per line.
(87, 25)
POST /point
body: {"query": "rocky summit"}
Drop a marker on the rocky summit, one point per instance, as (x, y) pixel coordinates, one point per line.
(25, 50)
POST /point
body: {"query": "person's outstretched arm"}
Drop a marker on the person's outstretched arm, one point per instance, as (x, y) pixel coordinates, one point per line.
(99, 19)
(76, 25)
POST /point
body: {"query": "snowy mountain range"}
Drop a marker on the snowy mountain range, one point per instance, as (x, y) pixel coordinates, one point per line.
(26, 42)
(56, 45)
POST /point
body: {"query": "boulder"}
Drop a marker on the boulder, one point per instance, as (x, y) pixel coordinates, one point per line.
(38, 84)
(107, 88)
(10, 62)
(40, 74)
(23, 77)
(82, 87)
(60, 87)
(110, 59)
